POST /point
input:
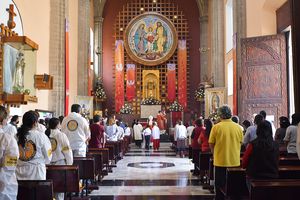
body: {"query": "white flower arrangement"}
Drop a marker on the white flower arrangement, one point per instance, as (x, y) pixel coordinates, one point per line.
(199, 93)
(150, 101)
(126, 109)
(175, 107)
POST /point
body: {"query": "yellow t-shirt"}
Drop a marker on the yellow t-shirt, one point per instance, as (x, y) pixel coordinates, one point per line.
(227, 137)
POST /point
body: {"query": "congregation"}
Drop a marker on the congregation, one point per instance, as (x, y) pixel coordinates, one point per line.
(26, 150)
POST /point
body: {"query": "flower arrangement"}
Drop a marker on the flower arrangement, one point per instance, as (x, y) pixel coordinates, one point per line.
(150, 101)
(99, 90)
(126, 109)
(200, 93)
(214, 116)
(175, 107)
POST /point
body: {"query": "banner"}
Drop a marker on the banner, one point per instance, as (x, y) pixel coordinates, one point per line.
(182, 65)
(130, 83)
(171, 77)
(119, 87)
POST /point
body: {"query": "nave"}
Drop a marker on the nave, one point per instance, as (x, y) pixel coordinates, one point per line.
(145, 175)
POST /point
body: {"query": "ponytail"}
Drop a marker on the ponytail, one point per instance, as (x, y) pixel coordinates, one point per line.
(53, 123)
(28, 121)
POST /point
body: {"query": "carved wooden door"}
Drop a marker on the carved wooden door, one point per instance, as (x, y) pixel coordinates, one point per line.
(264, 77)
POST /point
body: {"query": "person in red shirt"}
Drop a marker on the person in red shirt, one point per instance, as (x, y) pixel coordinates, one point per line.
(97, 133)
(204, 136)
(196, 147)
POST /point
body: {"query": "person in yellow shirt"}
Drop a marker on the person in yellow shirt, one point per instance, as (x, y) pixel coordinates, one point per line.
(225, 142)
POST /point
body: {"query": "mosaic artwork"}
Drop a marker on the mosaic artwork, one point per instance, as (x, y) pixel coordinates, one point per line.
(151, 39)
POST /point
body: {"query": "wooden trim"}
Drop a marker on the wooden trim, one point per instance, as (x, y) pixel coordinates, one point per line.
(283, 17)
(16, 41)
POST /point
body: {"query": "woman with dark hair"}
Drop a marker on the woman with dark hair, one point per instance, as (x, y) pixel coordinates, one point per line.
(35, 150)
(204, 136)
(262, 154)
(9, 154)
(291, 135)
(61, 150)
(196, 147)
(284, 123)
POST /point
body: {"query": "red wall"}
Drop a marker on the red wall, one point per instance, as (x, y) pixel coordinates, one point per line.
(189, 8)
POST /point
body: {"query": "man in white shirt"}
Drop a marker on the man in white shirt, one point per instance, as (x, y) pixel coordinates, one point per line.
(77, 130)
(137, 131)
(250, 134)
(189, 133)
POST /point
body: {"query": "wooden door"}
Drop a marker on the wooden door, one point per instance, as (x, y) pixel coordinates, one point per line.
(263, 84)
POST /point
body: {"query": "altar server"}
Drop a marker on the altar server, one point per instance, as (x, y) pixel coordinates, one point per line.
(34, 148)
(156, 136)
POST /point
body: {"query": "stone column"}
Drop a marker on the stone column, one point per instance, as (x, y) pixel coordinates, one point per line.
(83, 46)
(98, 45)
(239, 27)
(218, 43)
(56, 55)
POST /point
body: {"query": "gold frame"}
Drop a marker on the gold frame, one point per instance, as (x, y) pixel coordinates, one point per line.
(151, 73)
(161, 60)
(218, 92)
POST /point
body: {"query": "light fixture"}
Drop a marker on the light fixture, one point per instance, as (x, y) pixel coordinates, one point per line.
(175, 17)
(121, 29)
(154, 1)
(142, 9)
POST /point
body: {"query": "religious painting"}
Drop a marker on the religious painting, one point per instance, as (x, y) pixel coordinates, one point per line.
(150, 39)
(86, 103)
(214, 98)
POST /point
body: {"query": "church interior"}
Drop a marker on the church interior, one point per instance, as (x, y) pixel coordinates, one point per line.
(141, 64)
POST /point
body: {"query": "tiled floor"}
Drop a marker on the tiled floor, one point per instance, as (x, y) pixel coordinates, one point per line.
(151, 175)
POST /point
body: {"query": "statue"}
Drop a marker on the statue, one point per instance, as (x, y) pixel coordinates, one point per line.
(19, 72)
(151, 89)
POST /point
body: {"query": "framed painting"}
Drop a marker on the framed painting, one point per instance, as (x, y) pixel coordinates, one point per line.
(150, 39)
(86, 103)
(214, 98)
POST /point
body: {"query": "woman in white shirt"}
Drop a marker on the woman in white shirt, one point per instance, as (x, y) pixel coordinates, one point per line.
(35, 150)
(9, 154)
(61, 149)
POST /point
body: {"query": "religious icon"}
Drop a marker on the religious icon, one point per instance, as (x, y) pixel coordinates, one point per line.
(151, 39)
(19, 71)
(214, 98)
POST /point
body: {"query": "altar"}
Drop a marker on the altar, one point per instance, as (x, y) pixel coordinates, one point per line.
(147, 110)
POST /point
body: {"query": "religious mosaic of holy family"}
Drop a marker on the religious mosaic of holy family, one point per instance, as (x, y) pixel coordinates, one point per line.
(150, 39)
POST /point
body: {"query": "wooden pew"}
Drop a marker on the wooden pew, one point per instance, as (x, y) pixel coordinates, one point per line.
(35, 189)
(105, 157)
(65, 178)
(112, 156)
(98, 162)
(289, 161)
(86, 169)
(236, 179)
(276, 189)
(117, 149)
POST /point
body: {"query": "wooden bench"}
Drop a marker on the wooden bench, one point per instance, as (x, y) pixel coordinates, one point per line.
(65, 178)
(276, 189)
(105, 157)
(289, 161)
(98, 163)
(112, 156)
(35, 189)
(86, 170)
(236, 179)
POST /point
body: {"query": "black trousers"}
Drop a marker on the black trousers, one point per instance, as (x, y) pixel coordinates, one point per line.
(220, 181)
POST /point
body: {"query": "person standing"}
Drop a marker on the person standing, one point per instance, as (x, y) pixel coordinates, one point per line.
(77, 130)
(137, 130)
(97, 133)
(147, 135)
(34, 148)
(225, 143)
(250, 134)
(181, 134)
(291, 135)
(196, 147)
(156, 137)
(161, 121)
(9, 154)
(261, 156)
(14, 121)
(61, 150)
